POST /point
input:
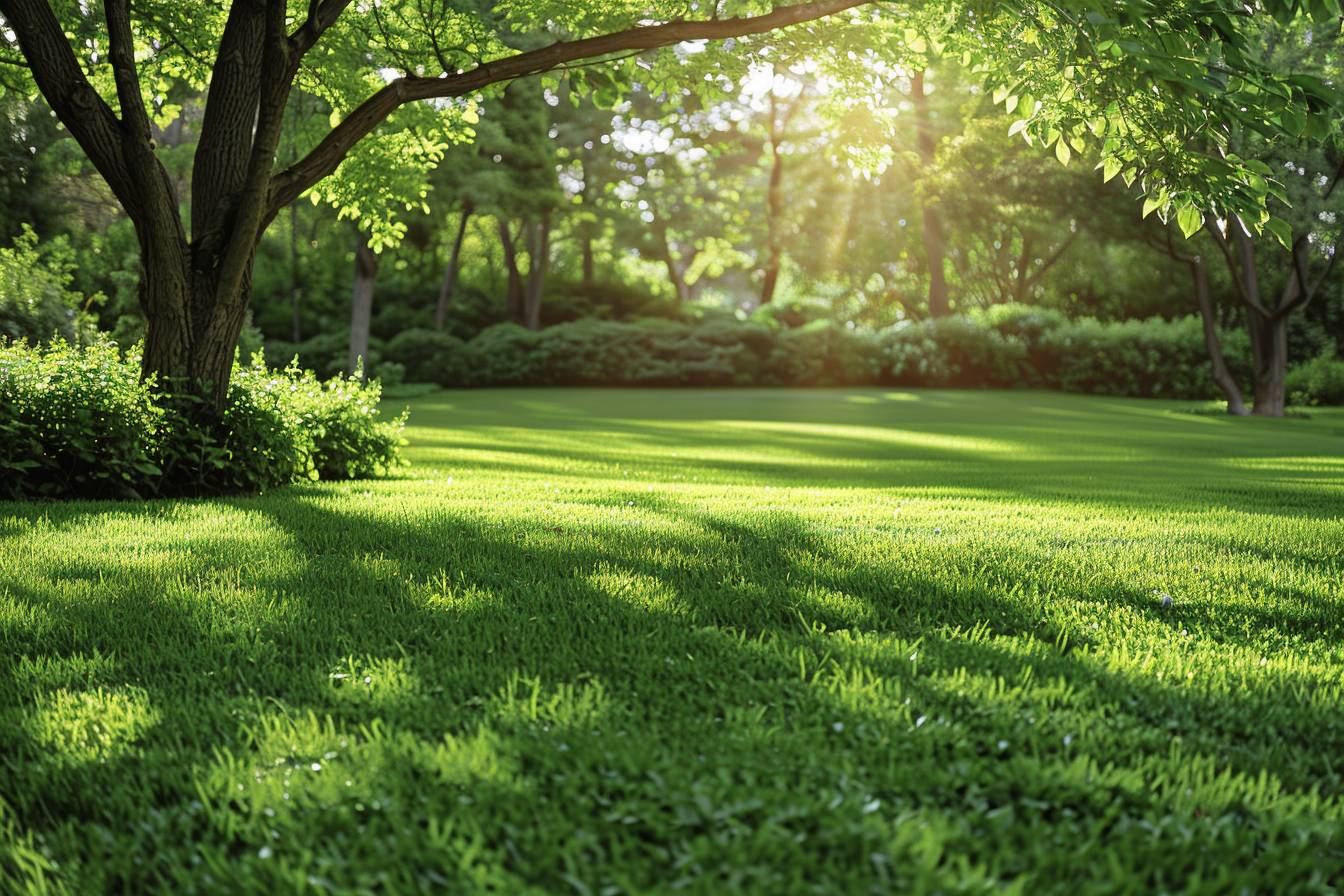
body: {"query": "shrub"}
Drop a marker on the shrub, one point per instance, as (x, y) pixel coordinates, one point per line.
(954, 351)
(79, 423)
(1318, 382)
(824, 353)
(76, 421)
(1002, 347)
(1152, 358)
(349, 440)
(503, 355)
(429, 356)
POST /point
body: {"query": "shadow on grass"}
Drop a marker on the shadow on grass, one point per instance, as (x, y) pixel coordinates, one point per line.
(765, 707)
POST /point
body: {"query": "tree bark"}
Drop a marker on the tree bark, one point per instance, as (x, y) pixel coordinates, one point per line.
(449, 284)
(1222, 377)
(361, 305)
(538, 259)
(774, 207)
(514, 290)
(1269, 352)
(935, 242)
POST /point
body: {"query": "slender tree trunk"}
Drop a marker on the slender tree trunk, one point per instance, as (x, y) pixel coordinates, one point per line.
(514, 293)
(589, 264)
(935, 241)
(361, 304)
(1269, 350)
(1212, 344)
(774, 206)
(449, 284)
(538, 251)
(676, 270)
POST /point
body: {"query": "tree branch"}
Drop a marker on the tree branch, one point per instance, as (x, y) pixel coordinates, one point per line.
(322, 14)
(289, 184)
(121, 53)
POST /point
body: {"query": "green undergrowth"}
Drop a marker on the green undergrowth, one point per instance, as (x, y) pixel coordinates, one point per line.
(730, 641)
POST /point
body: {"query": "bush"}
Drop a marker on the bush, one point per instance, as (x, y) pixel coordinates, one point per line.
(78, 423)
(429, 356)
(954, 351)
(1318, 382)
(1152, 358)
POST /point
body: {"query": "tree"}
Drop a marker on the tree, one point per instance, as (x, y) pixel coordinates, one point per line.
(197, 268)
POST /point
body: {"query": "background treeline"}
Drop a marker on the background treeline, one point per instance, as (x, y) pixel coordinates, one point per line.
(786, 236)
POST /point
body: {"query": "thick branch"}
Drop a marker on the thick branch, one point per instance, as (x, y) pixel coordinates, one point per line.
(289, 184)
(121, 53)
(322, 14)
(277, 76)
(222, 153)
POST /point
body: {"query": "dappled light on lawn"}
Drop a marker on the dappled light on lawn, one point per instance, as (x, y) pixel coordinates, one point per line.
(627, 638)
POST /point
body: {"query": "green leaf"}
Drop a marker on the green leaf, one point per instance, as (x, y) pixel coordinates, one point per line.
(1062, 151)
(1189, 219)
(1109, 169)
(1150, 205)
(1281, 230)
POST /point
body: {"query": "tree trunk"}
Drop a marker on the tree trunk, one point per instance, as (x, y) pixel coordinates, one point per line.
(538, 252)
(774, 207)
(589, 265)
(1212, 344)
(361, 306)
(514, 293)
(1269, 349)
(935, 242)
(449, 284)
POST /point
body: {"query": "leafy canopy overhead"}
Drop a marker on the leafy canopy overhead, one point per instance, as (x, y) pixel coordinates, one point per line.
(1152, 91)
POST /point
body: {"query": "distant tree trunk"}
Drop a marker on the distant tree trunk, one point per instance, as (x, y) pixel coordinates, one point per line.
(1268, 324)
(514, 292)
(935, 242)
(361, 304)
(774, 204)
(676, 267)
(1212, 344)
(538, 252)
(1269, 353)
(589, 264)
(449, 284)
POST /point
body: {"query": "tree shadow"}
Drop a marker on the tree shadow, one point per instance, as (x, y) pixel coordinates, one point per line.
(756, 701)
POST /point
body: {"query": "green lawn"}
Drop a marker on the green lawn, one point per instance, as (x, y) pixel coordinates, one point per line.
(728, 641)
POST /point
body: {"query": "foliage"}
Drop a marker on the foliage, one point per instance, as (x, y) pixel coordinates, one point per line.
(78, 422)
(1006, 347)
(646, 640)
(1318, 382)
(36, 301)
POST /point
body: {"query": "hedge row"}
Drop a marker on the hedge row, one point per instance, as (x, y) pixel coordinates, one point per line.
(1009, 346)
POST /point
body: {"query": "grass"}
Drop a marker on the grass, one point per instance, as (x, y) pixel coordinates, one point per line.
(733, 641)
